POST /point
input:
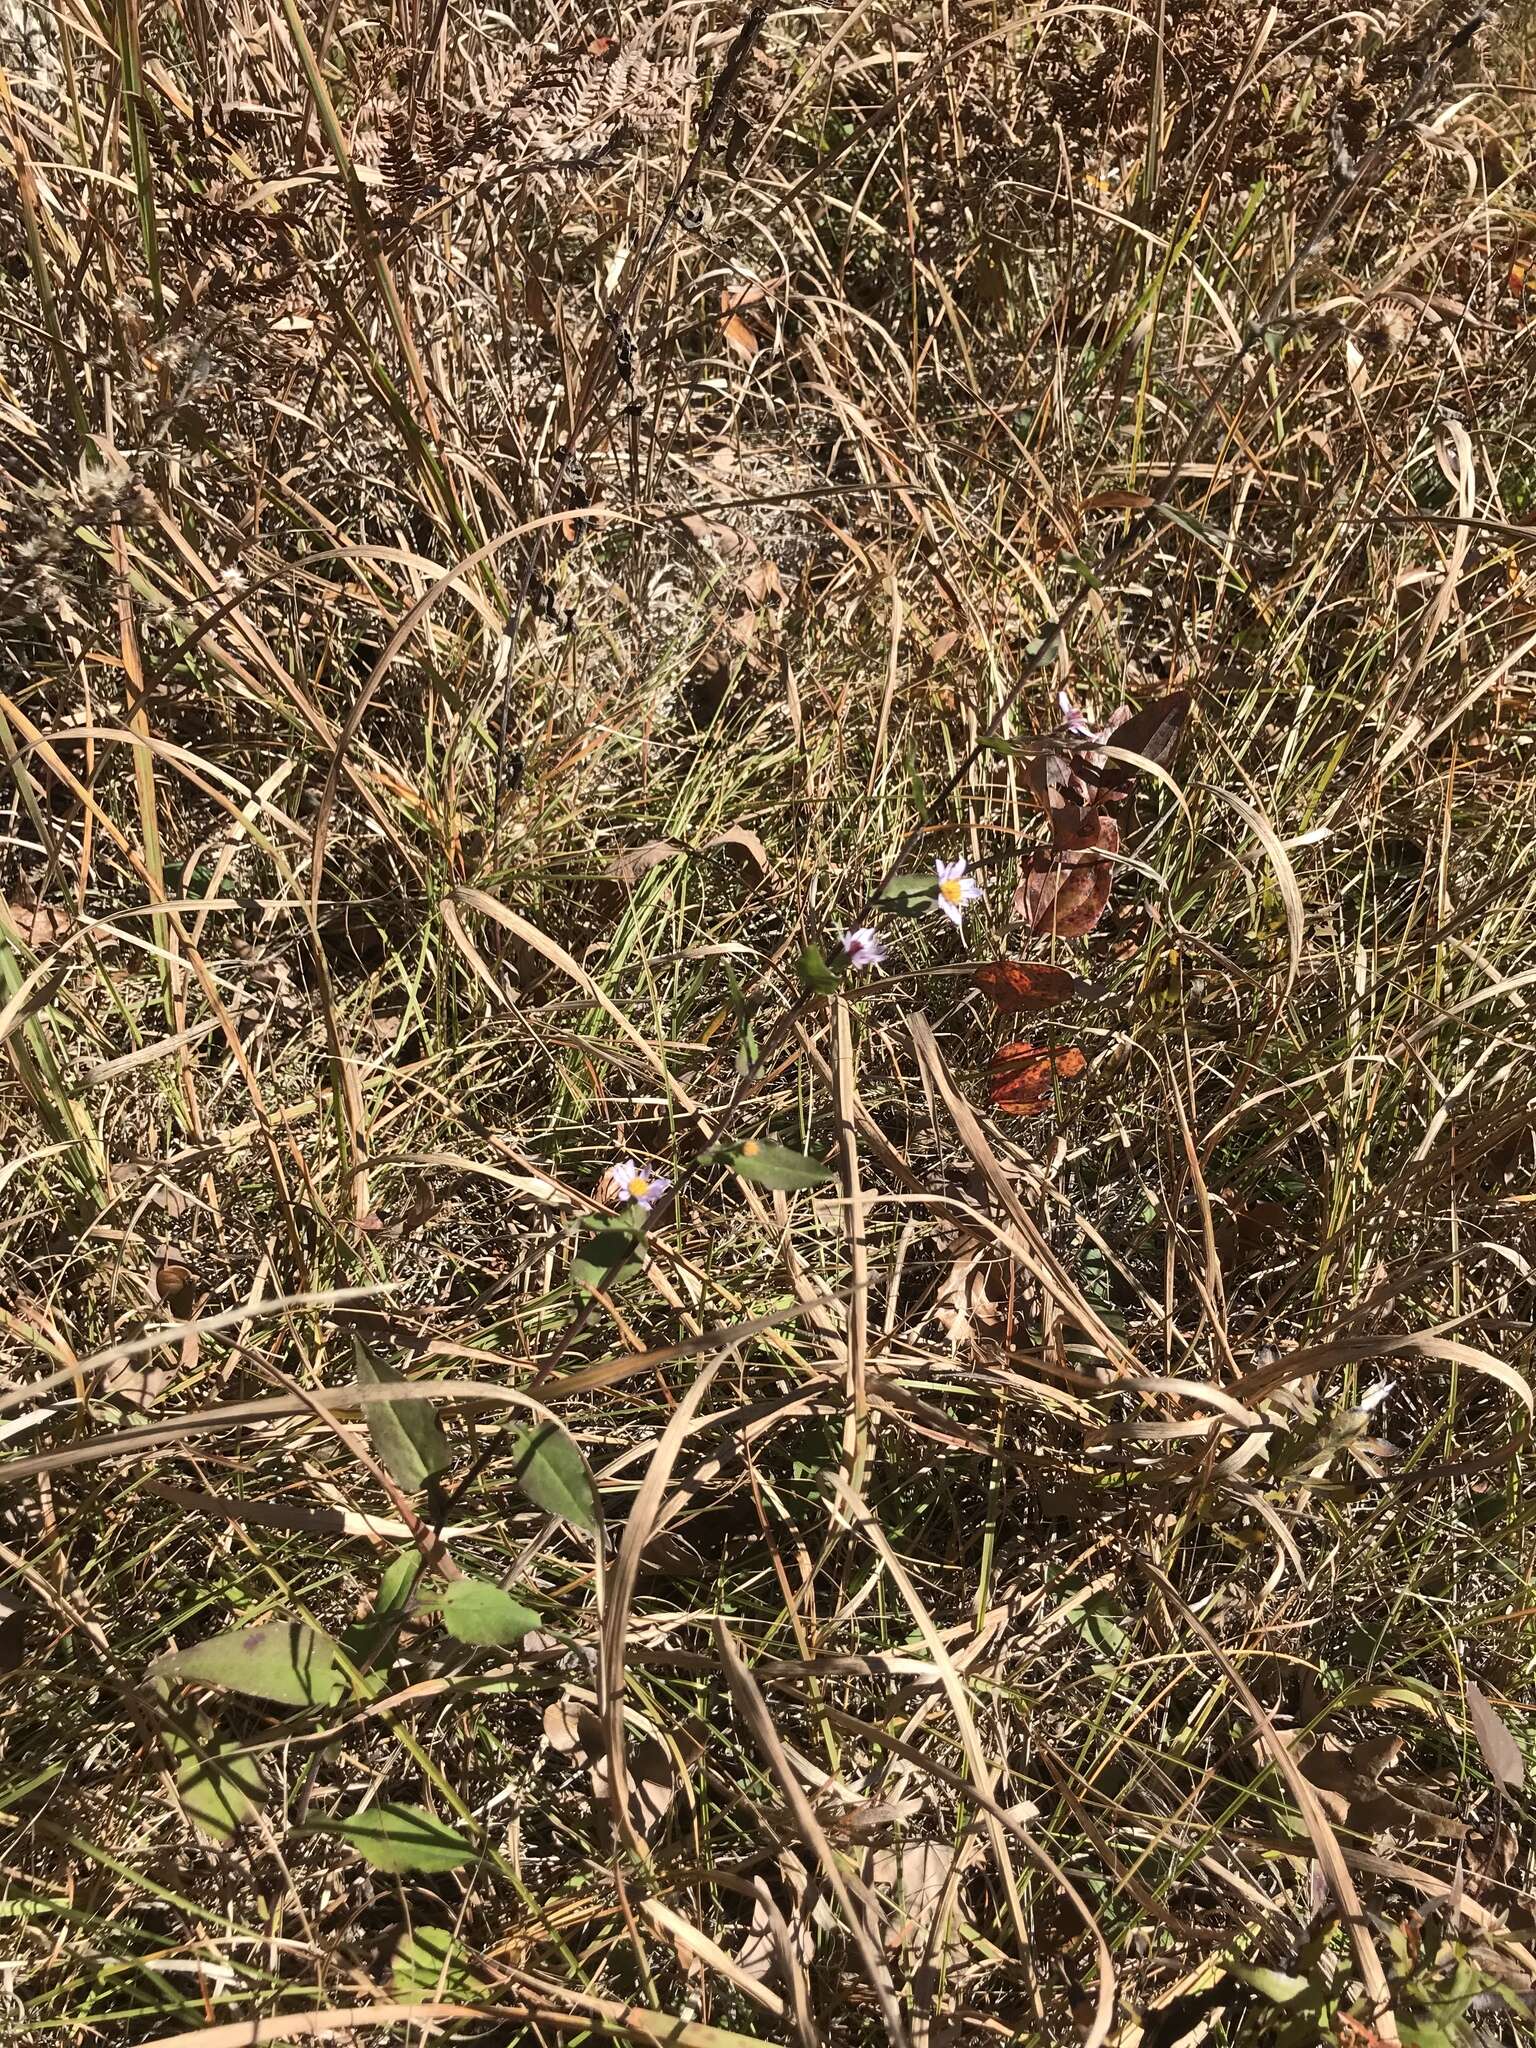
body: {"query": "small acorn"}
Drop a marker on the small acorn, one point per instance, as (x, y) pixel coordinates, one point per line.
(176, 1284)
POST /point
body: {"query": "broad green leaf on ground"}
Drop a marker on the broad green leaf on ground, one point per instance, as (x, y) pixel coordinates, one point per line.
(399, 1837)
(287, 1662)
(773, 1166)
(220, 1790)
(406, 1434)
(429, 1963)
(477, 1612)
(553, 1474)
(910, 895)
(609, 1254)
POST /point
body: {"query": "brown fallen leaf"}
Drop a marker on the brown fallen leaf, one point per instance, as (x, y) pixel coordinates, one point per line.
(726, 541)
(1117, 501)
(632, 862)
(778, 1937)
(576, 1730)
(177, 1285)
(1350, 1788)
(1024, 1077)
(40, 925)
(739, 336)
(967, 1304)
(936, 652)
(1155, 732)
(13, 1635)
(763, 585)
(134, 1380)
(1019, 985)
(1074, 828)
(916, 1876)
(1064, 894)
(1501, 1752)
(743, 840)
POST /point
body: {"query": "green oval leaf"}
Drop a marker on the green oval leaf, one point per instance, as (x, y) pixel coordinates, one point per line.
(553, 1474)
(395, 1586)
(219, 1791)
(370, 1643)
(609, 1255)
(477, 1612)
(398, 1837)
(429, 1963)
(285, 1661)
(1275, 1985)
(406, 1434)
(815, 974)
(910, 895)
(773, 1166)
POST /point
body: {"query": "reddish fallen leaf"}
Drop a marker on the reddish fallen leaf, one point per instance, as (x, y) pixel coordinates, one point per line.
(1016, 985)
(1063, 895)
(1073, 827)
(1024, 1077)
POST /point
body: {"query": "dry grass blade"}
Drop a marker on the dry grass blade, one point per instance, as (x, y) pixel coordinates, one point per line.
(1330, 1856)
(750, 1705)
(308, 2026)
(982, 1778)
(638, 1530)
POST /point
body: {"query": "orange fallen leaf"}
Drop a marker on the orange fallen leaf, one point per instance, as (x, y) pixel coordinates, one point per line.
(1024, 1077)
(1016, 985)
(740, 337)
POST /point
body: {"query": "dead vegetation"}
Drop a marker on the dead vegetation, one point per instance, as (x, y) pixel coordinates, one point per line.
(1007, 1518)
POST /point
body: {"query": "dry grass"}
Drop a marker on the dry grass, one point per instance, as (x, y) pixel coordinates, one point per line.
(515, 526)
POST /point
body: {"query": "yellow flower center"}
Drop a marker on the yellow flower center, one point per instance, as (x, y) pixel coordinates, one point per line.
(952, 891)
(636, 1188)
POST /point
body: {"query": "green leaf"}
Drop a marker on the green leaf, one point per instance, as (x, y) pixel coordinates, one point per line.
(398, 1837)
(220, 1791)
(285, 1661)
(773, 1166)
(395, 1586)
(554, 1475)
(406, 1434)
(477, 1612)
(1274, 1985)
(369, 1642)
(429, 1963)
(610, 1254)
(1097, 1622)
(815, 974)
(910, 895)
